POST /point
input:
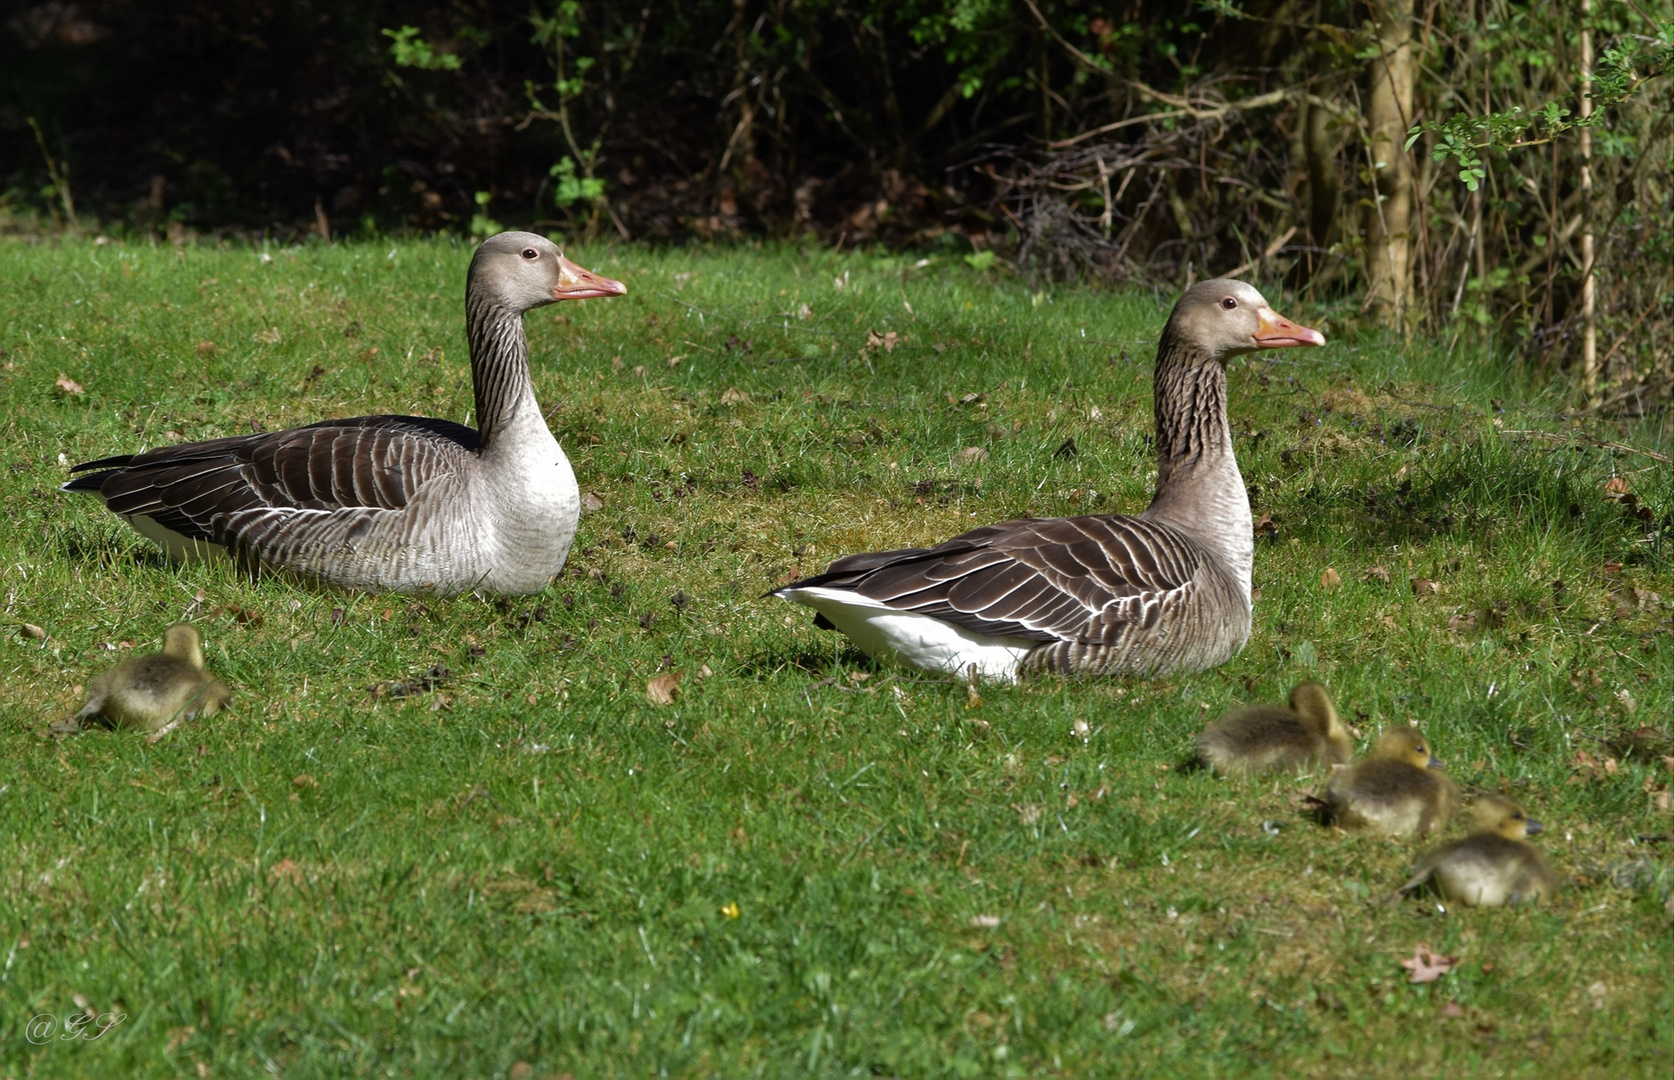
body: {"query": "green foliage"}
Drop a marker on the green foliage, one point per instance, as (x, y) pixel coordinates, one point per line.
(410, 50)
(1463, 138)
(481, 224)
(572, 188)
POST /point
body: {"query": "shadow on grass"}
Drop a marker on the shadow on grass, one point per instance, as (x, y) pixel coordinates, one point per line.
(107, 549)
(1479, 487)
(813, 660)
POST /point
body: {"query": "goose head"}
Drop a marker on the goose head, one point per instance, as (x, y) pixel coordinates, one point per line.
(1222, 318)
(1500, 815)
(520, 271)
(1405, 744)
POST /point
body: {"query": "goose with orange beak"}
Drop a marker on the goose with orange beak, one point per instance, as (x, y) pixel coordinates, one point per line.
(388, 503)
(1166, 590)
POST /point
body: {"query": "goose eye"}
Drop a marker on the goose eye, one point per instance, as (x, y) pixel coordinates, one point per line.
(531, 254)
(1229, 303)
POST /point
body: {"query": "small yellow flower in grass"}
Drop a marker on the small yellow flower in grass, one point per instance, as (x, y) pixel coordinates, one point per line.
(730, 909)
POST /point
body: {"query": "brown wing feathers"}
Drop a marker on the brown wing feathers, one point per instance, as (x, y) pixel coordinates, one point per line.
(1079, 579)
(233, 491)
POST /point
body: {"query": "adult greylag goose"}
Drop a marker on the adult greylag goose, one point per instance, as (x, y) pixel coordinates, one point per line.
(154, 692)
(1492, 867)
(1271, 738)
(396, 503)
(1167, 590)
(1399, 790)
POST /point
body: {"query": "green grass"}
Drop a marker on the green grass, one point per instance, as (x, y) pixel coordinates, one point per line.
(534, 864)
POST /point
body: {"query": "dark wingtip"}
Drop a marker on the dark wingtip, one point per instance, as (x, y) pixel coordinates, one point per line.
(823, 623)
(92, 482)
(104, 463)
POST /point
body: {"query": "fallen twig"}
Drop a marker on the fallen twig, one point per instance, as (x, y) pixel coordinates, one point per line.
(1591, 440)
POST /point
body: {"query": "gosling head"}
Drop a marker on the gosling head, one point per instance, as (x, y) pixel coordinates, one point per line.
(1313, 704)
(1224, 318)
(1498, 814)
(521, 271)
(1406, 744)
(182, 642)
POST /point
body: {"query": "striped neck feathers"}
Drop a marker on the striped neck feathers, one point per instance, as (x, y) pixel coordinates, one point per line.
(499, 367)
(1192, 434)
(1199, 487)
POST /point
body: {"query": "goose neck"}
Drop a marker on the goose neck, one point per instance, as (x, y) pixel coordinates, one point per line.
(1199, 487)
(499, 368)
(1191, 415)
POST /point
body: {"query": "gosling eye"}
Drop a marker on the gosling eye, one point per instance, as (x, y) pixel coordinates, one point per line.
(531, 254)
(1229, 303)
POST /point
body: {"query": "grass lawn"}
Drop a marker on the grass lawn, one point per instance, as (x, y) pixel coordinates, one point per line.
(807, 865)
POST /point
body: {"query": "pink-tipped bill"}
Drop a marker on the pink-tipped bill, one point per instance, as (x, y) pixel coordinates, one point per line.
(1277, 332)
(575, 283)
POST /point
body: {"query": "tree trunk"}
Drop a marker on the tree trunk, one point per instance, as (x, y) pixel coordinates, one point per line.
(1388, 116)
(1324, 186)
(1589, 279)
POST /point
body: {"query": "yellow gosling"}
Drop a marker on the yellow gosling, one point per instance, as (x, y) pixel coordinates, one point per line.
(1492, 867)
(155, 693)
(1270, 738)
(1397, 791)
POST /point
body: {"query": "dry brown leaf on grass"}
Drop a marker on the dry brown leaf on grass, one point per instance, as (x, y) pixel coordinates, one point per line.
(1427, 966)
(887, 340)
(660, 689)
(1465, 620)
(734, 396)
(31, 631)
(591, 503)
(1425, 587)
(69, 385)
(1330, 579)
(971, 454)
(1378, 574)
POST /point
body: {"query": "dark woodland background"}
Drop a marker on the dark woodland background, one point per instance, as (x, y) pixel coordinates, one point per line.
(1127, 140)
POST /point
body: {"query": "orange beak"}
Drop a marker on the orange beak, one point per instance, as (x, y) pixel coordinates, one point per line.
(1277, 332)
(575, 283)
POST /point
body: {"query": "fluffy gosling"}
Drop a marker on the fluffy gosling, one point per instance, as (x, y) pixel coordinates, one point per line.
(1396, 791)
(155, 693)
(1492, 867)
(1270, 738)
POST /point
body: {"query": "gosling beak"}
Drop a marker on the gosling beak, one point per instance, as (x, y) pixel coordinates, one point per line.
(1274, 331)
(1436, 762)
(1532, 826)
(575, 283)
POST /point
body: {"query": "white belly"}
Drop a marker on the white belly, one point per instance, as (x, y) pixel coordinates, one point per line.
(178, 548)
(914, 640)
